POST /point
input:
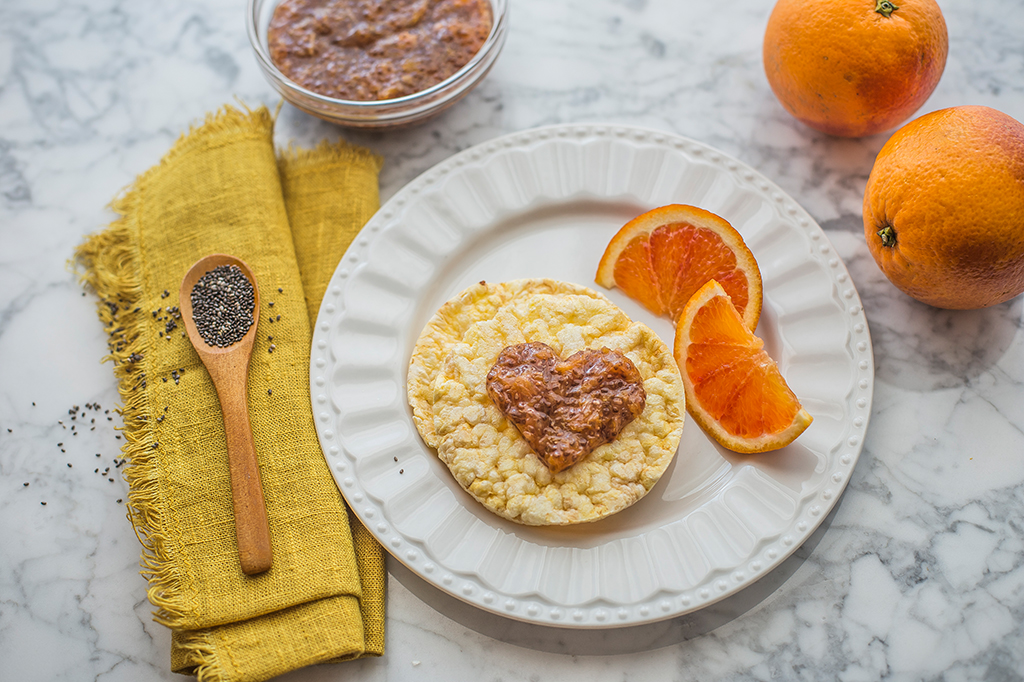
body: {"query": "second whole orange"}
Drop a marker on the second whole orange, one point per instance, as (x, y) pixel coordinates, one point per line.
(944, 208)
(854, 67)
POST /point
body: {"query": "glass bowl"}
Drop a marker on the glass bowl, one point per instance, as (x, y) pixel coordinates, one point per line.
(379, 113)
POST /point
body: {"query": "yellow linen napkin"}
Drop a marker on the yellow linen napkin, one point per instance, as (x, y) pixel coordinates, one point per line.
(222, 189)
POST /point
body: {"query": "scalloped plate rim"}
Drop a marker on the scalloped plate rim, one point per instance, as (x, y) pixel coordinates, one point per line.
(601, 615)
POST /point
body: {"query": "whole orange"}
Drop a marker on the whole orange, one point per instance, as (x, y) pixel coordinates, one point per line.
(854, 67)
(944, 208)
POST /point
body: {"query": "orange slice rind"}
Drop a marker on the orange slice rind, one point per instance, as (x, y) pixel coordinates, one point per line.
(662, 257)
(734, 390)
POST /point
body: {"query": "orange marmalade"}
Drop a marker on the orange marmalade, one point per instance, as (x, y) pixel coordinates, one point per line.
(370, 50)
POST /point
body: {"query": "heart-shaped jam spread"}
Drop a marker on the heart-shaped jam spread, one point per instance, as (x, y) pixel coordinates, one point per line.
(566, 408)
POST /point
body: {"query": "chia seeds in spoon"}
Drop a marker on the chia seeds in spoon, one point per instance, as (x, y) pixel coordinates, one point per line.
(222, 305)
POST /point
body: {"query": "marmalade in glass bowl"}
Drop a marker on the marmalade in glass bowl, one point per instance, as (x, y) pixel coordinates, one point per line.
(373, 50)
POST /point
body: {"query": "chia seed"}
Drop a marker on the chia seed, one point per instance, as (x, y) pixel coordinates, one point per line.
(222, 305)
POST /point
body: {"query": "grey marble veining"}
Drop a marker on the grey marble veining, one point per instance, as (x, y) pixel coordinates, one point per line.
(918, 574)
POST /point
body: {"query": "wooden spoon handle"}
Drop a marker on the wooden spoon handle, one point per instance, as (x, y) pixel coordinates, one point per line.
(252, 529)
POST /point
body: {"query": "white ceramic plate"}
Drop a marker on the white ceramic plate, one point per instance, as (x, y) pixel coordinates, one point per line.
(544, 203)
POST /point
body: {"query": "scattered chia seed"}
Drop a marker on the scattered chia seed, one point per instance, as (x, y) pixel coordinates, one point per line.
(119, 500)
(401, 471)
(270, 392)
(43, 503)
(25, 484)
(280, 290)
(271, 304)
(222, 305)
(69, 465)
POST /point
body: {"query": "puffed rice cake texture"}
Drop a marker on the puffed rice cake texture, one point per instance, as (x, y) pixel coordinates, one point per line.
(486, 453)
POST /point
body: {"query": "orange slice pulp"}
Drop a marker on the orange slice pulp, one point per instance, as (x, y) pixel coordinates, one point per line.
(664, 256)
(734, 390)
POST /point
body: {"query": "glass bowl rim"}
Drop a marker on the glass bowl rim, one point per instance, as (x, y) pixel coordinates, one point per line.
(499, 12)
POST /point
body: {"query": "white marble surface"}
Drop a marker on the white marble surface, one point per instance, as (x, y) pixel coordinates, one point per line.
(917, 575)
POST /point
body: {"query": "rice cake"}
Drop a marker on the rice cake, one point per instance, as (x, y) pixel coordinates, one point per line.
(489, 457)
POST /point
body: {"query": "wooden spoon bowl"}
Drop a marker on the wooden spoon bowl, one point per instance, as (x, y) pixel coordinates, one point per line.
(229, 369)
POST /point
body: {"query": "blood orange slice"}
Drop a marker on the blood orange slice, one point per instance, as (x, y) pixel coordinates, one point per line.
(665, 255)
(734, 390)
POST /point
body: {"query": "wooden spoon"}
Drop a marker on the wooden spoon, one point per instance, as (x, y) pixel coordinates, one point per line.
(229, 370)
